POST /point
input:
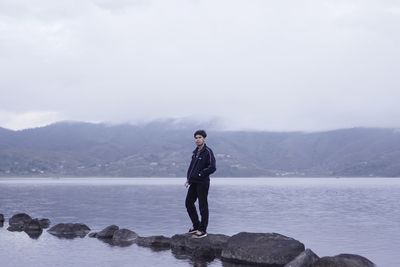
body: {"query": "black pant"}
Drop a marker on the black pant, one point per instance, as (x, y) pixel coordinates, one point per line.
(198, 191)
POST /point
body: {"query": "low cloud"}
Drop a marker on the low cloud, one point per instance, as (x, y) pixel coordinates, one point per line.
(18, 121)
(273, 65)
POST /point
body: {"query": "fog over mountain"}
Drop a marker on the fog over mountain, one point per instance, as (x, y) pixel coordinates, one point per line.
(163, 149)
(288, 65)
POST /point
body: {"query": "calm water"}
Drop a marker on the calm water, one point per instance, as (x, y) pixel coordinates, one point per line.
(330, 216)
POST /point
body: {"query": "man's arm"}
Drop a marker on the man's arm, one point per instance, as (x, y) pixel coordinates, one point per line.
(211, 168)
(189, 169)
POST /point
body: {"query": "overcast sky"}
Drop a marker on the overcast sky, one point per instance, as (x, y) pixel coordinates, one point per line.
(252, 64)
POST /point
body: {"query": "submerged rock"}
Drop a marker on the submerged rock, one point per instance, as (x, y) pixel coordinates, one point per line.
(114, 236)
(305, 259)
(344, 260)
(69, 230)
(124, 237)
(262, 248)
(207, 247)
(155, 242)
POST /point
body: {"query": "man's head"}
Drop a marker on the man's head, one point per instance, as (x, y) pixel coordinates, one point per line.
(199, 137)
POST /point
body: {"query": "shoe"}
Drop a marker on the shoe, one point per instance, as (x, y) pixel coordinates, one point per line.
(199, 234)
(193, 231)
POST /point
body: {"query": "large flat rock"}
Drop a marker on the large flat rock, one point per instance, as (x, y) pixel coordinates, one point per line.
(267, 249)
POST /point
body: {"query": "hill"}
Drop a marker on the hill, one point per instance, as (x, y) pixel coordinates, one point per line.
(163, 149)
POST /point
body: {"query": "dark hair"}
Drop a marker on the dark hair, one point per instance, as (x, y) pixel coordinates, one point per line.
(200, 132)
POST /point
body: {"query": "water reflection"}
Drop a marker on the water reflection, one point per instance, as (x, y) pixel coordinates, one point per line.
(67, 236)
(34, 234)
(194, 261)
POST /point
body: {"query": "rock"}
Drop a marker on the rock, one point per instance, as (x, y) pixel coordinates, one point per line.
(155, 242)
(1, 220)
(344, 260)
(208, 247)
(33, 229)
(93, 235)
(262, 248)
(20, 221)
(305, 259)
(121, 237)
(32, 226)
(35, 234)
(69, 230)
(17, 222)
(124, 237)
(44, 223)
(107, 232)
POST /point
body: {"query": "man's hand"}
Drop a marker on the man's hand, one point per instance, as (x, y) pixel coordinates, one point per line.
(187, 184)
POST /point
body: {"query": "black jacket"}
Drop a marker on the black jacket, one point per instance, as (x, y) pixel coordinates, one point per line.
(201, 166)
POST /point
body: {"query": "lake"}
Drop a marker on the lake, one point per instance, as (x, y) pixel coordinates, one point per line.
(329, 215)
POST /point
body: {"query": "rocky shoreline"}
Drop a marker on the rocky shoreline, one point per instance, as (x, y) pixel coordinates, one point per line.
(261, 249)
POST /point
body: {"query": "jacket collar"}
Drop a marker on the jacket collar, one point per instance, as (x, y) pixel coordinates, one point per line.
(201, 151)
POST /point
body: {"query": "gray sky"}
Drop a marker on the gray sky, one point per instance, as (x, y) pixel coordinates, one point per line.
(253, 64)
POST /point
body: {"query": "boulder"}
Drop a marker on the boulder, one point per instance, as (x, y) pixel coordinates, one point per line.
(208, 247)
(69, 230)
(344, 260)
(262, 248)
(155, 242)
(17, 222)
(305, 259)
(124, 237)
(107, 232)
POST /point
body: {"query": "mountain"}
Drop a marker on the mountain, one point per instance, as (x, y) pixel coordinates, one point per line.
(163, 149)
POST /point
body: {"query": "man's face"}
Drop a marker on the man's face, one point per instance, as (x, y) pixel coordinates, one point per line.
(199, 139)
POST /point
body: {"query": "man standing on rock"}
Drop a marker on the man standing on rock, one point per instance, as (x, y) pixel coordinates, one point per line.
(198, 182)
